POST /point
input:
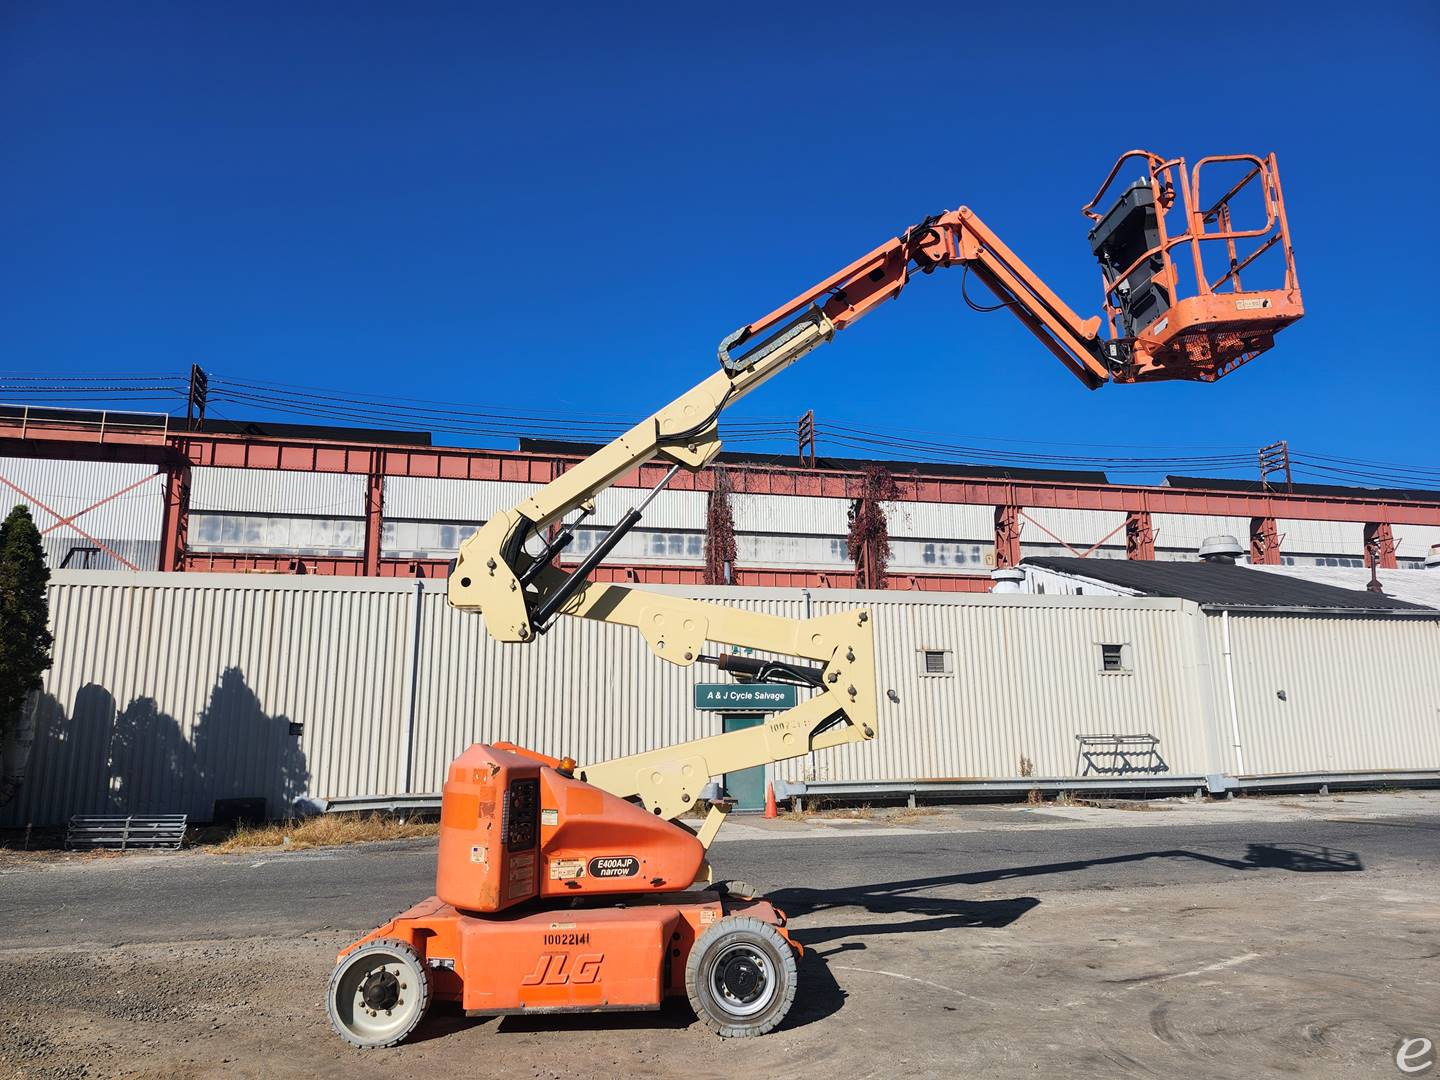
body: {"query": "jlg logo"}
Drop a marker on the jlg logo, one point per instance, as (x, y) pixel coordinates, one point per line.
(556, 969)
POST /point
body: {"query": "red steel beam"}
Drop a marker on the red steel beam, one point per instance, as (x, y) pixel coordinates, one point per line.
(238, 451)
(374, 518)
(175, 519)
(1139, 535)
(1379, 540)
(1007, 536)
(755, 577)
(1264, 541)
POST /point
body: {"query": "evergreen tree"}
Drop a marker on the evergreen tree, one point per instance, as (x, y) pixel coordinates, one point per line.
(24, 614)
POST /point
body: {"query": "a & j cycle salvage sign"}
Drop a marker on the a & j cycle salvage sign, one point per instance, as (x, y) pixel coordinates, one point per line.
(746, 697)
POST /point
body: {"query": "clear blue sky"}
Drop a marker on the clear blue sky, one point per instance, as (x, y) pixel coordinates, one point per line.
(563, 208)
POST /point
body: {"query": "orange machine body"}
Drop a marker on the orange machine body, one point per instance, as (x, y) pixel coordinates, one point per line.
(605, 957)
(525, 916)
(514, 828)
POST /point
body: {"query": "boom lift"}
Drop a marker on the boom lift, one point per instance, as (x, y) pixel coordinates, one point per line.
(564, 888)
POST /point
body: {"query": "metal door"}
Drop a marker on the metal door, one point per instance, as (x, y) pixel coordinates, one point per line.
(746, 787)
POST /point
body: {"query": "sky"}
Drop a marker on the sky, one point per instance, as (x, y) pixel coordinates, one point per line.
(560, 210)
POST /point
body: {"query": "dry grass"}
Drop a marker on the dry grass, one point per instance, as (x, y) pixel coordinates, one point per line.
(324, 830)
(912, 813)
(897, 815)
(1121, 804)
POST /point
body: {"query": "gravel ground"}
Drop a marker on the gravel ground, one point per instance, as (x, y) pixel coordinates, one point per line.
(1278, 948)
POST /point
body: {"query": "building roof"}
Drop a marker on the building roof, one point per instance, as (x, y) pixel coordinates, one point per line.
(1255, 487)
(1416, 586)
(789, 461)
(1223, 585)
(259, 428)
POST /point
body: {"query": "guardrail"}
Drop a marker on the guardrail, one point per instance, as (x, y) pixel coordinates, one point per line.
(1214, 784)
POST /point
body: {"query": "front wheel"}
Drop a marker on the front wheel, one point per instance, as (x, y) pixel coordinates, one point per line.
(378, 994)
(740, 977)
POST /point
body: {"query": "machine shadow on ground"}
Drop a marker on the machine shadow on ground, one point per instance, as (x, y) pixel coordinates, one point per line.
(907, 897)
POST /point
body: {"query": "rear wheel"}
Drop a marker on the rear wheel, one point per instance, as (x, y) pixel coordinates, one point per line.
(740, 977)
(740, 890)
(378, 994)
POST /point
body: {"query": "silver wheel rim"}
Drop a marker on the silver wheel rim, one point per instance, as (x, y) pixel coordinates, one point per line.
(377, 996)
(742, 980)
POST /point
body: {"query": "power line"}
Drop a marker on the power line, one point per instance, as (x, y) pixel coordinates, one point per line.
(482, 421)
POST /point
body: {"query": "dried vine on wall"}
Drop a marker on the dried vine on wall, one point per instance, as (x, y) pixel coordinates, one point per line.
(720, 533)
(869, 541)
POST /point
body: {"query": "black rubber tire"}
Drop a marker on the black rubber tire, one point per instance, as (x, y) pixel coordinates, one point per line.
(339, 995)
(774, 958)
(741, 890)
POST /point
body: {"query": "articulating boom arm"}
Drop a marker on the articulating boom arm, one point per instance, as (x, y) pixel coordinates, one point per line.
(508, 571)
(519, 591)
(955, 238)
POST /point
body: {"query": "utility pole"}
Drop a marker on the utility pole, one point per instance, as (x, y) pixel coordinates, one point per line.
(1275, 460)
(805, 437)
(195, 403)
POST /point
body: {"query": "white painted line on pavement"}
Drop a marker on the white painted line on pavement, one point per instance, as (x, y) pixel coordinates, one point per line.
(911, 978)
(1219, 965)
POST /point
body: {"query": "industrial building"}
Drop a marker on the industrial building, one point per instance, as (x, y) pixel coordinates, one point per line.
(296, 644)
(174, 692)
(136, 492)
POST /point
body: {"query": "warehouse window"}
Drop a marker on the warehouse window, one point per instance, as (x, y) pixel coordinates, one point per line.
(936, 662)
(275, 534)
(1114, 658)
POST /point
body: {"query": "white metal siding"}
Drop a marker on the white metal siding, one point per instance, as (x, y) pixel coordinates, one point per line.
(941, 521)
(275, 491)
(1080, 529)
(790, 514)
(172, 690)
(418, 498)
(1185, 532)
(1415, 541)
(1025, 682)
(1360, 693)
(68, 487)
(1321, 537)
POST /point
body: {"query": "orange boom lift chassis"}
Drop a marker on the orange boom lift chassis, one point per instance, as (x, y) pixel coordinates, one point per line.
(568, 889)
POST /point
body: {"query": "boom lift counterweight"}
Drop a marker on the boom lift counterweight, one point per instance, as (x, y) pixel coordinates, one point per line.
(561, 888)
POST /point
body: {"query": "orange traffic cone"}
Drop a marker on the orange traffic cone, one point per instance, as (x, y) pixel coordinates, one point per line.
(770, 810)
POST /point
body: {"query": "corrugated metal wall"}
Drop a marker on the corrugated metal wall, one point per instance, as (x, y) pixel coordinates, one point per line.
(128, 524)
(172, 690)
(1360, 693)
(1025, 679)
(272, 491)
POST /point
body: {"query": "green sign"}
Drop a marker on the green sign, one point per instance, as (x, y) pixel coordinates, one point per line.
(746, 697)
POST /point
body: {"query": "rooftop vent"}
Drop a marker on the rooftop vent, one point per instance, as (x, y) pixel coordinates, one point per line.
(1432, 561)
(1007, 579)
(1221, 549)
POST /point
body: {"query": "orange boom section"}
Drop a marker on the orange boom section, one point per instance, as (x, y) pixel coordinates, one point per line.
(1167, 317)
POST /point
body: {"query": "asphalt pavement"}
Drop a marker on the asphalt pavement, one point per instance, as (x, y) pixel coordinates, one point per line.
(198, 896)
